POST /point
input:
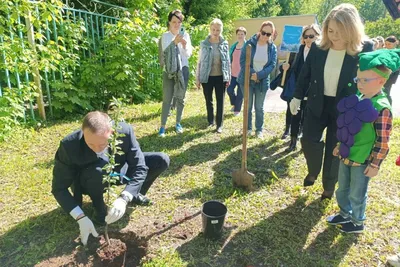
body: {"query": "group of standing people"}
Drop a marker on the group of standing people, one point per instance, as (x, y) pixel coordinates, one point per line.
(329, 78)
(220, 68)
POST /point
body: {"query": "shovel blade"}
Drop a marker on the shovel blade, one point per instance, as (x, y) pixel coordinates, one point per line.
(243, 178)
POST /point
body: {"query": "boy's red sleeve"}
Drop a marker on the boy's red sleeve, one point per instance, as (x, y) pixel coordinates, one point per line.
(383, 128)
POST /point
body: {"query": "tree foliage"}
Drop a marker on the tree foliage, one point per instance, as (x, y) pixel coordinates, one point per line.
(383, 27)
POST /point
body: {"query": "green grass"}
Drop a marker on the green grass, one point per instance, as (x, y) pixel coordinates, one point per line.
(279, 224)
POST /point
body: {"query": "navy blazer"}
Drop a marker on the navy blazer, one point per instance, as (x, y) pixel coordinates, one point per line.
(73, 155)
(312, 77)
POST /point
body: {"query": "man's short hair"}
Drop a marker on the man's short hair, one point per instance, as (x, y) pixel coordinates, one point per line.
(96, 122)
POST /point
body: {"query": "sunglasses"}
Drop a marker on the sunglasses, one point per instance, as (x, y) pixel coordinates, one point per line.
(263, 33)
(311, 36)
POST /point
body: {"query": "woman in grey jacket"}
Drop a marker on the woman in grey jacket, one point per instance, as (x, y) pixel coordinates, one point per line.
(214, 71)
(263, 61)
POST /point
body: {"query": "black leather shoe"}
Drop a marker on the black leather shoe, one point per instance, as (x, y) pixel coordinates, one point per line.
(285, 135)
(309, 180)
(292, 145)
(141, 200)
(327, 195)
(99, 221)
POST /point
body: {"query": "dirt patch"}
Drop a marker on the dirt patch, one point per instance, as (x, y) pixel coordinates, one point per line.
(113, 256)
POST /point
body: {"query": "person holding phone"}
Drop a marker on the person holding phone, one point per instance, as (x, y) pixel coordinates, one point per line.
(177, 49)
(214, 71)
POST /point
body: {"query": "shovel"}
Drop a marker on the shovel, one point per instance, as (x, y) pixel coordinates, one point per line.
(242, 177)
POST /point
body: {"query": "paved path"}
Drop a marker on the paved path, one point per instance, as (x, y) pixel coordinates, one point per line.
(273, 102)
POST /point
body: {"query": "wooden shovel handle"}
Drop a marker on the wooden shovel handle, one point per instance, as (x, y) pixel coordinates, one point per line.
(246, 106)
(284, 72)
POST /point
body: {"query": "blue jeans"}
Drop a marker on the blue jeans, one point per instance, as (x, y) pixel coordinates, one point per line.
(351, 194)
(257, 96)
(235, 99)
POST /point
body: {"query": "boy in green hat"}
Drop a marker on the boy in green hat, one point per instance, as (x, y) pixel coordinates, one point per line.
(364, 128)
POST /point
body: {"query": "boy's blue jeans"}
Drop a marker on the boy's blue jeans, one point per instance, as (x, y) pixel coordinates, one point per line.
(351, 194)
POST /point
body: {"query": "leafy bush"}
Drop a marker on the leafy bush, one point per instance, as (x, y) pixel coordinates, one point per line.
(383, 27)
(125, 59)
(18, 59)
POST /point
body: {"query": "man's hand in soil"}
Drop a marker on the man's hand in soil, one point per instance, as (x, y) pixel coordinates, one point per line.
(117, 210)
(86, 227)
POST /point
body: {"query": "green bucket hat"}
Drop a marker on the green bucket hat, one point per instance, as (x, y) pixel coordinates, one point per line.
(390, 58)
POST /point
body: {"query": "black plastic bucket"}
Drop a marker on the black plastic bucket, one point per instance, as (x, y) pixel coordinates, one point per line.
(213, 214)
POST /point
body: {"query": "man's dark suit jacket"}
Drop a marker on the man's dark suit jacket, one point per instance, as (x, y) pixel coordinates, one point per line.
(312, 77)
(73, 155)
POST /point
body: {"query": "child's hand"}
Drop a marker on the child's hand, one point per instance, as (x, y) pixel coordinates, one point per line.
(398, 161)
(371, 171)
(336, 151)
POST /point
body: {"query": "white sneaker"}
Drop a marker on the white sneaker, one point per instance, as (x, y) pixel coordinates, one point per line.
(259, 134)
(394, 260)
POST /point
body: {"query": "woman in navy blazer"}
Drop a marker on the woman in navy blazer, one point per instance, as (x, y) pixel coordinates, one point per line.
(308, 37)
(328, 75)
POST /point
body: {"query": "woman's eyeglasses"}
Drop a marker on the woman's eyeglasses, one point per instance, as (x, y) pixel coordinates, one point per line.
(311, 36)
(364, 80)
(263, 33)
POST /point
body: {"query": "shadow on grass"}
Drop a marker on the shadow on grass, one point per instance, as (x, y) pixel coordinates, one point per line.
(49, 235)
(280, 240)
(193, 128)
(262, 160)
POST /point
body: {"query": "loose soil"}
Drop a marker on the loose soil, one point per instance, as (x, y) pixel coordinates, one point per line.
(126, 249)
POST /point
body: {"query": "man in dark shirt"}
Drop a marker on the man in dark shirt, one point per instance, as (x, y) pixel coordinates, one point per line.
(78, 164)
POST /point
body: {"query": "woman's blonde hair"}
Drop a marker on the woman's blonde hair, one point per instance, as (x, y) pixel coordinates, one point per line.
(349, 22)
(313, 27)
(217, 22)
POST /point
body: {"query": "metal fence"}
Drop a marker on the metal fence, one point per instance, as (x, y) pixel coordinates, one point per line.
(94, 16)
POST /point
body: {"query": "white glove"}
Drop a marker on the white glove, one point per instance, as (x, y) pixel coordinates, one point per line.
(86, 227)
(294, 105)
(117, 210)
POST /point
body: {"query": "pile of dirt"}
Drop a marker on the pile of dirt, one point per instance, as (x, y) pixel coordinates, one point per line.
(125, 249)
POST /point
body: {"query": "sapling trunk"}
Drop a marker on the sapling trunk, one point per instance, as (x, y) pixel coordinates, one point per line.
(109, 178)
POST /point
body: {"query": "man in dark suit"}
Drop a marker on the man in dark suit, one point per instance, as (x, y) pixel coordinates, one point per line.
(78, 164)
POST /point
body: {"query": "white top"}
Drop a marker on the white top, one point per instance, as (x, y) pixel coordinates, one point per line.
(260, 57)
(166, 40)
(305, 52)
(333, 66)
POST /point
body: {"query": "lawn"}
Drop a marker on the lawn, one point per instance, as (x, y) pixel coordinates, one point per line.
(280, 223)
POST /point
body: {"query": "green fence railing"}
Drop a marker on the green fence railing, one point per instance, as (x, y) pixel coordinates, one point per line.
(93, 17)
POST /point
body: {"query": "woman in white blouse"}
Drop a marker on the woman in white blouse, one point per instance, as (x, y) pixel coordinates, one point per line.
(327, 76)
(180, 39)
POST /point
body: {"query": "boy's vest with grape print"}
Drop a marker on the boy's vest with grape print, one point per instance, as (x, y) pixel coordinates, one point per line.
(365, 139)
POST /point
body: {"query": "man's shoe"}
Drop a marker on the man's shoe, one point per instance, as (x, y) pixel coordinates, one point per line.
(292, 145)
(309, 180)
(337, 219)
(178, 128)
(259, 134)
(219, 130)
(394, 260)
(327, 195)
(285, 134)
(351, 228)
(99, 221)
(161, 132)
(141, 200)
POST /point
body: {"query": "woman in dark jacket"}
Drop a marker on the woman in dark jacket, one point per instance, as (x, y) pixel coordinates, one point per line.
(328, 75)
(309, 35)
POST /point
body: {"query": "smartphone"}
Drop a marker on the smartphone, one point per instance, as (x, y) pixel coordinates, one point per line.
(182, 31)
